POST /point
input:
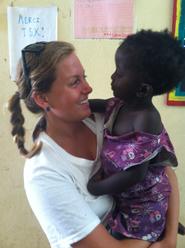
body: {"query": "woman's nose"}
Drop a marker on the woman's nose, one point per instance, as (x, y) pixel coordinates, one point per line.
(87, 88)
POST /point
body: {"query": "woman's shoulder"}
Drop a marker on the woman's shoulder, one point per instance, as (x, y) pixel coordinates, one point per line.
(38, 164)
(45, 161)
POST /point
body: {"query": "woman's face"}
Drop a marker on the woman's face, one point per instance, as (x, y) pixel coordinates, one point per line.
(68, 97)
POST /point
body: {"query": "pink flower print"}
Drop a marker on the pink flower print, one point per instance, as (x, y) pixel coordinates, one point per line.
(118, 147)
(139, 139)
(133, 225)
(152, 217)
(129, 153)
(146, 153)
(113, 223)
(110, 154)
(123, 157)
(155, 216)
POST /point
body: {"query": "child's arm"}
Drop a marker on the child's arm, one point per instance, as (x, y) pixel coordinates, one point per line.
(118, 182)
(98, 105)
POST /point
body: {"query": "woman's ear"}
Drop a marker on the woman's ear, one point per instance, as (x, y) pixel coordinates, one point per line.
(40, 99)
(145, 90)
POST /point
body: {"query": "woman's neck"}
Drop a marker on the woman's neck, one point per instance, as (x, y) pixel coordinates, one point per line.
(61, 129)
(71, 136)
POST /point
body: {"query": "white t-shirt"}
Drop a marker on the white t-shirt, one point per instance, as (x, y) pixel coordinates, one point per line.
(55, 184)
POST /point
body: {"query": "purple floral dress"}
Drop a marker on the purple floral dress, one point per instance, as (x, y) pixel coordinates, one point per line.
(141, 210)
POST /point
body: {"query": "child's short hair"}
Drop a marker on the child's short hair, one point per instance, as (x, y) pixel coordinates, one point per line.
(158, 57)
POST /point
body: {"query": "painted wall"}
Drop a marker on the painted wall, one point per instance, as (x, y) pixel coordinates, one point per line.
(18, 226)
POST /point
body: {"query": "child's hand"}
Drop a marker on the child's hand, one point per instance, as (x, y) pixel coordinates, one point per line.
(98, 176)
(91, 186)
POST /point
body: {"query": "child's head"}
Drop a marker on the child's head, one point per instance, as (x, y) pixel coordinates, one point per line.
(148, 61)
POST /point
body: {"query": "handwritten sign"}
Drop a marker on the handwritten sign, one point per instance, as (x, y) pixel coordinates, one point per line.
(103, 18)
(26, 26)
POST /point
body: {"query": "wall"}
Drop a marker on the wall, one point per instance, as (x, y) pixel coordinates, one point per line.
(18, 227)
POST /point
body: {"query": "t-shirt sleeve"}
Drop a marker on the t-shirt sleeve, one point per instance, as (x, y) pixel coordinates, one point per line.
(60, 209)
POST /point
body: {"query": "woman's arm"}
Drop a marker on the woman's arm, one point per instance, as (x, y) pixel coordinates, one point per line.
(100, 238)
(173, 208)
(170, 237)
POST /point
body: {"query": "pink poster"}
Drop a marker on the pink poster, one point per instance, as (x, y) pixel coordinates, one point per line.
(111, 19)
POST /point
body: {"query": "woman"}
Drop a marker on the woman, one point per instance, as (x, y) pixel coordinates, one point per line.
(52, 81)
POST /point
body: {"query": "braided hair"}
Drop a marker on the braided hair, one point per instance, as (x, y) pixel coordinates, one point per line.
(36, 72)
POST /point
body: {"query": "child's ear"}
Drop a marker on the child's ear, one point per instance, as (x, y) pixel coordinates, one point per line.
(144, 90)
(40, 99)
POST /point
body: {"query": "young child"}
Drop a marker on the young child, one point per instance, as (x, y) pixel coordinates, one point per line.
(136, 146)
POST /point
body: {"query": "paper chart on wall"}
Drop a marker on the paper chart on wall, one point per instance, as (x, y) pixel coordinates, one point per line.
(26, 26)
(112, 19)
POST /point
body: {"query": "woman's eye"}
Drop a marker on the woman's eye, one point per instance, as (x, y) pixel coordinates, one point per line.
(75, 83)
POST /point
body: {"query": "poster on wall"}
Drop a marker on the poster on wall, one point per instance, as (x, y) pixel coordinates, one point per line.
(177, 96)
(111, 19)
(26, 26)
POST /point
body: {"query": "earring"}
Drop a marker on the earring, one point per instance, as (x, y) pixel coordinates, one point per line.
(47, 109)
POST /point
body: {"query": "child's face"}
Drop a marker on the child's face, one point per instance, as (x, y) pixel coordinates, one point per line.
(124, 84)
